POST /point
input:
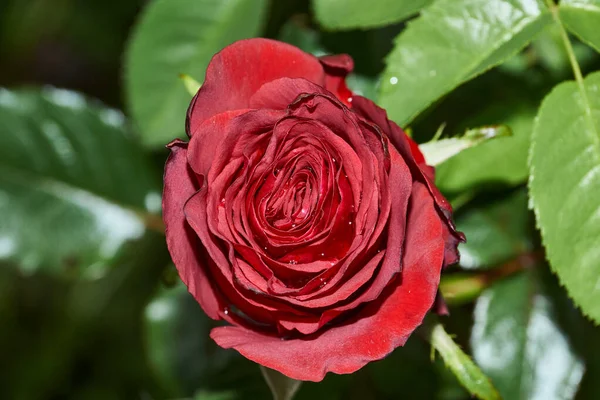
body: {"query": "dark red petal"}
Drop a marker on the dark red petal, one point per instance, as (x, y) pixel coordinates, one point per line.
(414, 158)
(239, 70)
(280, 93)
(337, 67)
(379, 328)
(207, 139)
(185, 248)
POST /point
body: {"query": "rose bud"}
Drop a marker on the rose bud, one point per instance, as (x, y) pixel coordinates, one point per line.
(302, 216)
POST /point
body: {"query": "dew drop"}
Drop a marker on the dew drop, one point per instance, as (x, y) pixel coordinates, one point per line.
(322, 254)
(293, 225)
(349, 222)
(393, 80)
(223, 201)
(226, 311)
(265, 248)
(293, 262)
(349, 99)
(333, 159)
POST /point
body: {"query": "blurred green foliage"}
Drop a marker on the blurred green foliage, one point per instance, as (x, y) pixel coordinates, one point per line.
(80, 323)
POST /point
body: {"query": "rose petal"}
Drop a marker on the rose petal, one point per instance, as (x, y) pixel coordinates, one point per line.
(337, 67)
(240, 69)
(414, 158)
(377, 330)
(280, 93)
(185, 248)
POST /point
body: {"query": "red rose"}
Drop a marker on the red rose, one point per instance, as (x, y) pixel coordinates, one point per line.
(301, 215)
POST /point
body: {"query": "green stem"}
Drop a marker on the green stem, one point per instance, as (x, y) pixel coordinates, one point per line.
(282, 387)
(463, 287)
(569, 49)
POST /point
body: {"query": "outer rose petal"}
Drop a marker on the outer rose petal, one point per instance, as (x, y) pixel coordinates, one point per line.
(239, 70)
(410, 151)
(337, 67)
(183, 244)
(379, 328)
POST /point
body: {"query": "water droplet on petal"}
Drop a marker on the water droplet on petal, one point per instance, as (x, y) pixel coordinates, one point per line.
(223, 201)
(226, 311)
(293, 262)
(322, 254)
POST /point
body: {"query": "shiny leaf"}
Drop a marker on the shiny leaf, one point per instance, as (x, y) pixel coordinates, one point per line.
(438, 151)
(348, 14)
(451, 42)
(518, 342)
(74, 187)
(177, 37)
(564, 187)
(582, 17)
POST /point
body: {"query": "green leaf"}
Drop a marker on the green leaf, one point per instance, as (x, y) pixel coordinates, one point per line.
(349, 14)
(518, 342)
(451, 42)
(74, 187)
(582, 17)
(498, 229)
(492, 162)
(282, 387)
(439, 150)
(179, 37)
(469, 375)
(564, 187)
(191, 85)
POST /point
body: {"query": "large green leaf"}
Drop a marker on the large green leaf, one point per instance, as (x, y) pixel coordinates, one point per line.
(348, 14)
(452, 42)
(519, 343)
(177, 37)
(565, 187)
(582, 17)
(74, 187)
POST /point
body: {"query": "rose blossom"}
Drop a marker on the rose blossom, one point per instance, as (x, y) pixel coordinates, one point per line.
(298, 213)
